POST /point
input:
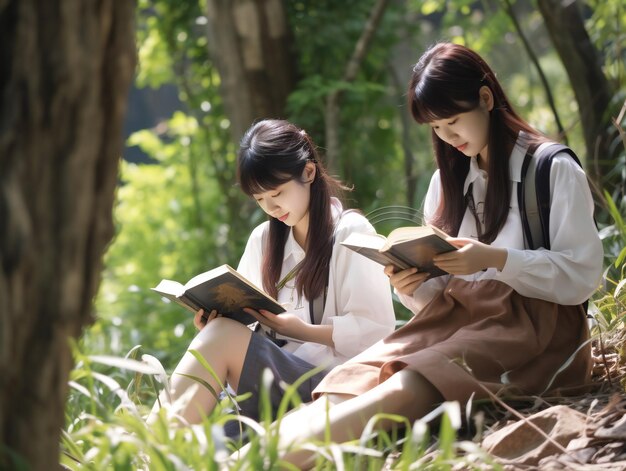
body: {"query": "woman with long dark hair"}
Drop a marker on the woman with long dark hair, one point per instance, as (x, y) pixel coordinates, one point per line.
(338, 303)
(506, 318)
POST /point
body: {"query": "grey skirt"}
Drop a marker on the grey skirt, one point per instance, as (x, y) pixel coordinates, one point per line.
(286, 368)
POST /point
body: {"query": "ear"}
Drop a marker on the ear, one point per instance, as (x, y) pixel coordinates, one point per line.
(308, 174)
(486, 97)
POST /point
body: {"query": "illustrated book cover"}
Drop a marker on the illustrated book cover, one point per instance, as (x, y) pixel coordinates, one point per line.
(222, 289)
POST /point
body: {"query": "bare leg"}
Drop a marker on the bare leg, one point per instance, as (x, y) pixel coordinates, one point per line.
(406, 393)
(223, 343)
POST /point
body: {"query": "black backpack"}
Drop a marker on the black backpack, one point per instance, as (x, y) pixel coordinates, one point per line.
(533, 195)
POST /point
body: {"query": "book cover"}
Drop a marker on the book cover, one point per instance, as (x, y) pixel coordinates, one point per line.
(222, 289)
(404, 248)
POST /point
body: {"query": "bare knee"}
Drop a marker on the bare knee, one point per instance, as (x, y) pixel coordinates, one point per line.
(412, 394)
(222, 330)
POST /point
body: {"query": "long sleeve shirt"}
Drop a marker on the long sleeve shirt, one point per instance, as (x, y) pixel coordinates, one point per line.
(566, 274)
(358, 302)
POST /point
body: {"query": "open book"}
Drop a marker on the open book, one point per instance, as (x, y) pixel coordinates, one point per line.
(404, 247)
(222, 289)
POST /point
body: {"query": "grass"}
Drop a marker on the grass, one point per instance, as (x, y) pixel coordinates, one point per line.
(106, 429)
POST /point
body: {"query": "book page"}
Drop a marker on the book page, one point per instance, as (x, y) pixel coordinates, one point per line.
(207, 275)
(169, 288)
(370, 241)
(403, 234)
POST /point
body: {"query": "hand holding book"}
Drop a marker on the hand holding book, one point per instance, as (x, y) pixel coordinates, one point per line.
(471, 256)
(202, 318)
(405, 247)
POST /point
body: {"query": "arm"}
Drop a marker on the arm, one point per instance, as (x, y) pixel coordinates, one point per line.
(358, 310)
(287, 324)
(569, 272)
(359, 305)
(290, 325)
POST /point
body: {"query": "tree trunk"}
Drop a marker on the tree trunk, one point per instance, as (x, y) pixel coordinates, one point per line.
(251, 44)
(66, 66)
(583, 64)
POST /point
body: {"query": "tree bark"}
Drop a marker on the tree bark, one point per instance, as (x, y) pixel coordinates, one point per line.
(66, 66)
(583, 64)
(251, 44)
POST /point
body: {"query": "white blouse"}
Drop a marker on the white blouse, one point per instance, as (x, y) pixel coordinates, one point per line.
(566, 274)
(358, 302)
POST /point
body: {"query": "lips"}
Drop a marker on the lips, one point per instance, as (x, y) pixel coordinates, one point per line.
(462, 147)
(283, 218)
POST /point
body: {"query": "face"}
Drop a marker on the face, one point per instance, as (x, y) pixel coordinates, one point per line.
(469, 131)
(289, 202)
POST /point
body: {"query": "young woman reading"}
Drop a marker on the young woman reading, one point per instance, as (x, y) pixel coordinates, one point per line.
(506, 317)
(338, 302)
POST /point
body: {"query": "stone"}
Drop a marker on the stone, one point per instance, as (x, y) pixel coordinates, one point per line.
(522, 444)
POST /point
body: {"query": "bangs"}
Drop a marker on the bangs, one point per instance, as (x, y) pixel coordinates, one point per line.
(429, 102)
(256, 176)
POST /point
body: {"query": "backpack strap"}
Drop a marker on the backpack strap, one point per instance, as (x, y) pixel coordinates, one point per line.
(533, 193)
(531, 223)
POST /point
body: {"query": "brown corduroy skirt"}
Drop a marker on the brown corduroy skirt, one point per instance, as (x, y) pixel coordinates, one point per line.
(477, 335)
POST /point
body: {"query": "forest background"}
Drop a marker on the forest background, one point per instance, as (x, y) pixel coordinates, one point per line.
(207, 69)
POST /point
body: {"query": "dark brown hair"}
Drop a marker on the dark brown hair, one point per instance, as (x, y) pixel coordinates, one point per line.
(445, 82)
(274, 152)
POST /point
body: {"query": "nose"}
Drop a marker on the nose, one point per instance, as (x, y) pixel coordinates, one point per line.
(270, 206)
(448, 135)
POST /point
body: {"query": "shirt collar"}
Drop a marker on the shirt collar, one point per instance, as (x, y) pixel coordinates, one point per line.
(292, 248)
(515, 163)
(473, 173)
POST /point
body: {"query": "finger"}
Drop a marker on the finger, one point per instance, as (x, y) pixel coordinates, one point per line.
(410, 288)
(267, 313)
(199, 319)
(256, 314)
(415, 279)
(389, 270)
(263, 320)
(403, 274)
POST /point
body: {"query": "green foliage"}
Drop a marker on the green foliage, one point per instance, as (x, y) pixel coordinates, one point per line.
(610, 299)
(106, 429)
(370, 138)
(607, 26)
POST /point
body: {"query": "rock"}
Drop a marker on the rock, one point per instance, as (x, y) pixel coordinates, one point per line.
(522, 444)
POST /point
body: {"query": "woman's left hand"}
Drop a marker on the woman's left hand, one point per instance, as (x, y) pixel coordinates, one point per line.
(285, 324)
(472, 256)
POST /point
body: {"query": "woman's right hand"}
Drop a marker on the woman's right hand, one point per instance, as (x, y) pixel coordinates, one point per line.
(201, 319)
(405, 281)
